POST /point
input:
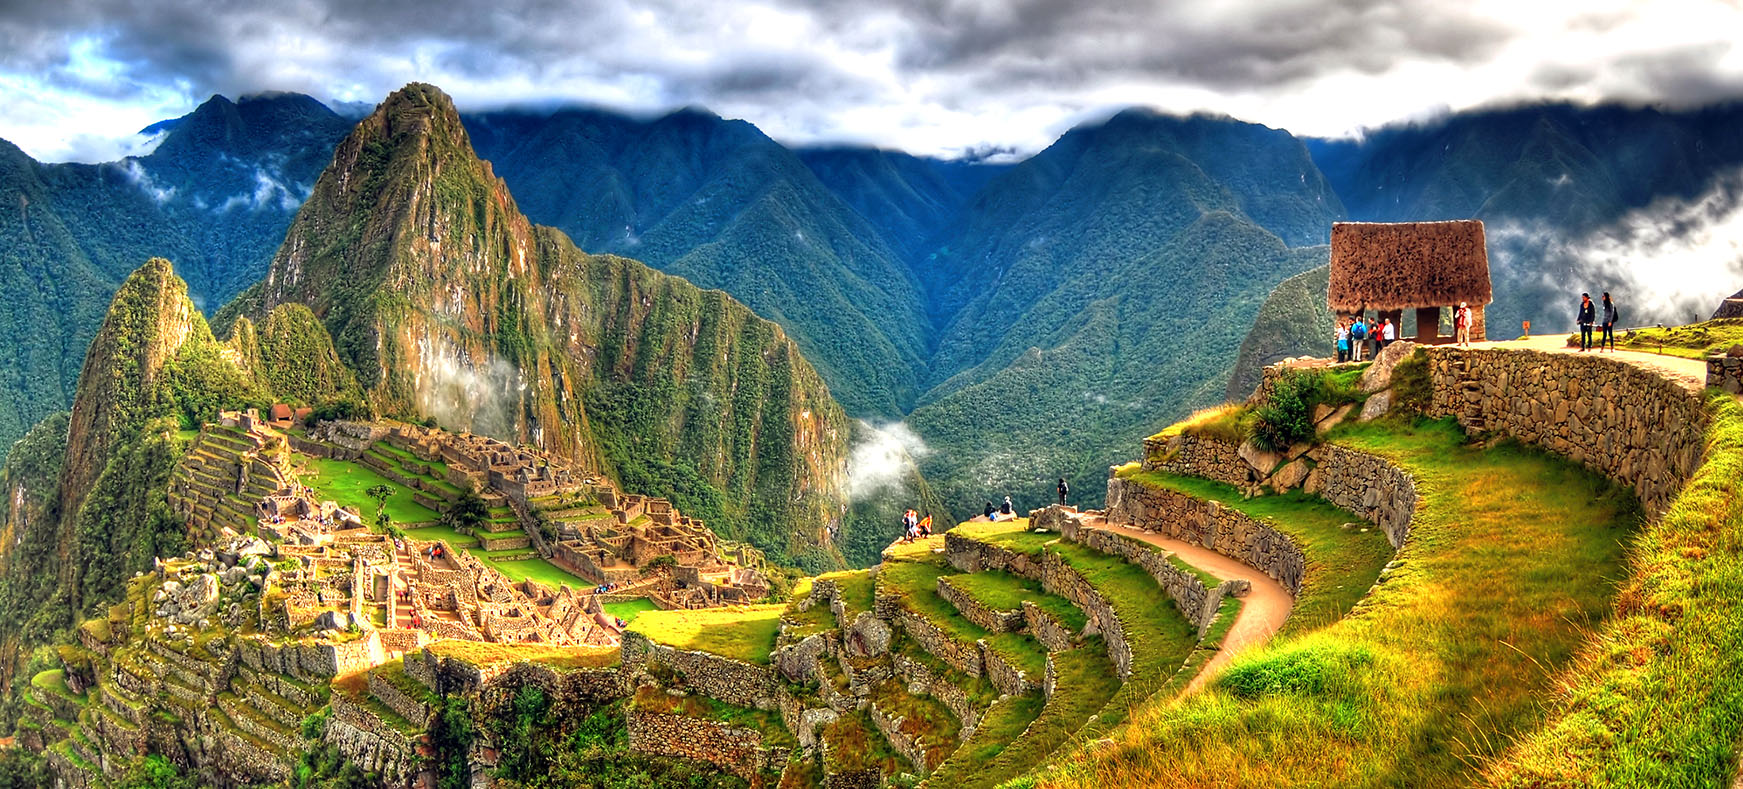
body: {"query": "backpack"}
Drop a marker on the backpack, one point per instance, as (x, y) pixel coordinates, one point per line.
(1359, 331)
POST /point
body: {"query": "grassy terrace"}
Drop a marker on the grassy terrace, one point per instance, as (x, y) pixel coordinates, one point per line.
(853, 743)
(1342, 563)
(1160, 637)
(766, 722)
(485, 653)
(1002, 591)
(1653, 698)
(744, 633)
(345, 482)
(1004, 721)
(911, 572)
(1088, 684)
(630, 609)
(858, 589)
(1696, 341)
(924, 720)
(1509, 564)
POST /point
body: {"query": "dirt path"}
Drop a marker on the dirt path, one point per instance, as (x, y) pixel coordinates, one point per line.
(1263, 610)
(1691, 373)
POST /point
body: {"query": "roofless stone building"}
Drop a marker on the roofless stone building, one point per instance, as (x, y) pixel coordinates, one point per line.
(1389, 267)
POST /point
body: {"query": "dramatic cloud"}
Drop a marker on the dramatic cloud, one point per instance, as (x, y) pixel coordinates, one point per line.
(946, 77)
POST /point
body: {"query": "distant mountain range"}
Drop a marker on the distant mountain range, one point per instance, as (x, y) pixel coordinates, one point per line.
(1026, 320)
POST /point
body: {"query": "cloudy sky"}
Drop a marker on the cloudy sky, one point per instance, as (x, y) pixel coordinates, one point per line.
(941, 77)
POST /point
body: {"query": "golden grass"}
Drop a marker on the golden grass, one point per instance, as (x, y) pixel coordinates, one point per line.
(744, 633)
(485, 653)
(1511, 563)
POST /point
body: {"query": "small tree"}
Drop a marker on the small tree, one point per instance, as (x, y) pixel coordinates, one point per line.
(380, 493)
(468, 512)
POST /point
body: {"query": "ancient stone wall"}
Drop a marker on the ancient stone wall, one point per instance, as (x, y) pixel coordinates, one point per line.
(922, 681)
(1056, 577)
(1210, 524)
(1052, 634)
(367, 741)
(1197, 456)
(1630, 424)
(1726, 372)
(962, 656)
(732, 681)
(738, 751)
(908, 747)
(1196, 600)
(1370, 486)
(975, 611)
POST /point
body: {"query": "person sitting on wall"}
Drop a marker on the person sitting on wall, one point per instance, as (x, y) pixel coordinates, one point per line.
(1006, 509)
(989, 512)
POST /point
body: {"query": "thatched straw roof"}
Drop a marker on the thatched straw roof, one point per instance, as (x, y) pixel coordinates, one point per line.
(1731, 307)
(1398, 265)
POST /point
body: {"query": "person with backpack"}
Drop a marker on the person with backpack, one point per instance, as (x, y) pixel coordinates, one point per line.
(1587, 316)
(1358, 337)
(1064, 490)
(1609, 335)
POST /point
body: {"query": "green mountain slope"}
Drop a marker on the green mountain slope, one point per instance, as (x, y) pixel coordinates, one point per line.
(446, 302)
(722, 205)
(907, 199)
(216, 195)
(1293, 321)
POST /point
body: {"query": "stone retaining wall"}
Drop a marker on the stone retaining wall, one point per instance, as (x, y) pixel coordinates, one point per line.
(921, 680)
(1725, 372)
(1370, 486)
(414, 710)
(1630, 424)
(963, 657)
(738, 751)
(364, 741)
(974, 611)
(1052, 634)
(1056, 577)
(732, 681)
(902, 744)
(1196, 600)
(1210, 524)
(1198, 456)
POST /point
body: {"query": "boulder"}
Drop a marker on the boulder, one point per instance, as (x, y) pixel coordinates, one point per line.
(869, 636)
(1050, 518)
(1379, 374)
(1290, 476)
(1312, 485)
(1377, 406)
(1261, 460)
(1335, 418)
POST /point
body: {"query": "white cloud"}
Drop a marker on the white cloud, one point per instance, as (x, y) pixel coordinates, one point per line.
(947, 79)
(881, 460)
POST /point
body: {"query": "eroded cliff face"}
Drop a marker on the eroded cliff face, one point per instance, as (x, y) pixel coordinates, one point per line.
(447, 303)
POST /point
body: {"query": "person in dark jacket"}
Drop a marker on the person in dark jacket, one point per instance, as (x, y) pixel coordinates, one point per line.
(1587, 317)
(990, 512)
(1064, 490)
(1608, 338)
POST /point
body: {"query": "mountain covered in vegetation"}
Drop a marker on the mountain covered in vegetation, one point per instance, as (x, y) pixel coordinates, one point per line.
(215, 196)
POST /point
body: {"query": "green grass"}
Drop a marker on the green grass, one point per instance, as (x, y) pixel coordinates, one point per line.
(1696, 341)
(1653, 699)
(55, 681)
(915, 580)
(630, 609)
(345, 482)
(853, 743)
(1004, 592)
(744, 633)
(537, 569)
(440, 532)
(1003, 722)
(486, 653)
(1510, 564)
(1087, 683)
(1342, 563)
(858, 589)
(925, 720)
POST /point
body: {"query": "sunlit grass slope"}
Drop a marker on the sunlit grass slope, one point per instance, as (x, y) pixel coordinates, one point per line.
(1513, 559)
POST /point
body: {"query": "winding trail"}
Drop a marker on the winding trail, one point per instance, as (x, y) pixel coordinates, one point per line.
(1264, 609)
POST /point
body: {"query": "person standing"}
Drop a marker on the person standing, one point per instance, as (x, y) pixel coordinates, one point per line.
(1608, 338)
(1390, 330)
(1358, 336)
(1462, 325)
(1343, 341)
(1064, 490)
(1587, 317)
(1374, 336)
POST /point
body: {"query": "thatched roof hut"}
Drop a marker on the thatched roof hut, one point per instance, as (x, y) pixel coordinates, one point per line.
(1399, 265)
(1731, 307)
